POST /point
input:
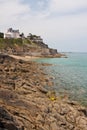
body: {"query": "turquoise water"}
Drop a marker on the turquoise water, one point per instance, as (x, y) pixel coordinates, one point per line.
(70, 75)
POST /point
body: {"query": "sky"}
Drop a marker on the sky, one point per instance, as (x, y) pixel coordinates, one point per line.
(61, 23)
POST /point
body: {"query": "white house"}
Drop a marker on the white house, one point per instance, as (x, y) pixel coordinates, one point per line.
(12, 33)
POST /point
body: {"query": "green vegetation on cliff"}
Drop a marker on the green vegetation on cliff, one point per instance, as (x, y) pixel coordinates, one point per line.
(26, 46)
(12, 42)
(9, 42)
(29, 41)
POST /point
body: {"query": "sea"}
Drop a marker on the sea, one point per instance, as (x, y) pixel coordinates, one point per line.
(69, 75)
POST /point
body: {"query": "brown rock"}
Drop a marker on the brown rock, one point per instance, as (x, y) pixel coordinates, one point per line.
(54, 126)
(81, 122)
(24, 102)
(40, 119)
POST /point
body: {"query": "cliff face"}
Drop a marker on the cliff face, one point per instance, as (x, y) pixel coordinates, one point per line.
(27, 47)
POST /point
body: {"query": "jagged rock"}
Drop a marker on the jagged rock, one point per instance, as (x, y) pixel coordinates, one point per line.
(7, 95)
(38, 48)
(43, 90)
(51, 95)
(83, 110)
(81, 122)
(53, 126)
(39, 118)
(25, 104)
(4, 114)
(7, 121)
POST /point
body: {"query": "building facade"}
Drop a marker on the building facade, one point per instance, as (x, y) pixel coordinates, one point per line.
(12, 33)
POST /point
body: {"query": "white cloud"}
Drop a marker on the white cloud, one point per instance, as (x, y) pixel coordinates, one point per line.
(10, 9)
(62, 6)
(65, 32)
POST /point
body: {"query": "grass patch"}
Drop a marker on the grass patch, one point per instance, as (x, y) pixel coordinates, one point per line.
(10, 42)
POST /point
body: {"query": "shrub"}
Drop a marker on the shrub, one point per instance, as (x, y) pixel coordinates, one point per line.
(1, 35)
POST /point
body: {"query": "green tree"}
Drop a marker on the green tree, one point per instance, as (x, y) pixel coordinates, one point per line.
(22, 35)
(1, 35)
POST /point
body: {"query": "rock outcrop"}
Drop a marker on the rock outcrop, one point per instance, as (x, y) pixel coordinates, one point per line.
(25, 103)
(27, 47)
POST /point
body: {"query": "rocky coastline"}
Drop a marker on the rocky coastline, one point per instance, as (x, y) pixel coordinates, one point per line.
(28, 47)
(25, 103)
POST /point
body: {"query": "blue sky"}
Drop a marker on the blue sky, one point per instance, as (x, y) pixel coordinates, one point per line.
(61, 23)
